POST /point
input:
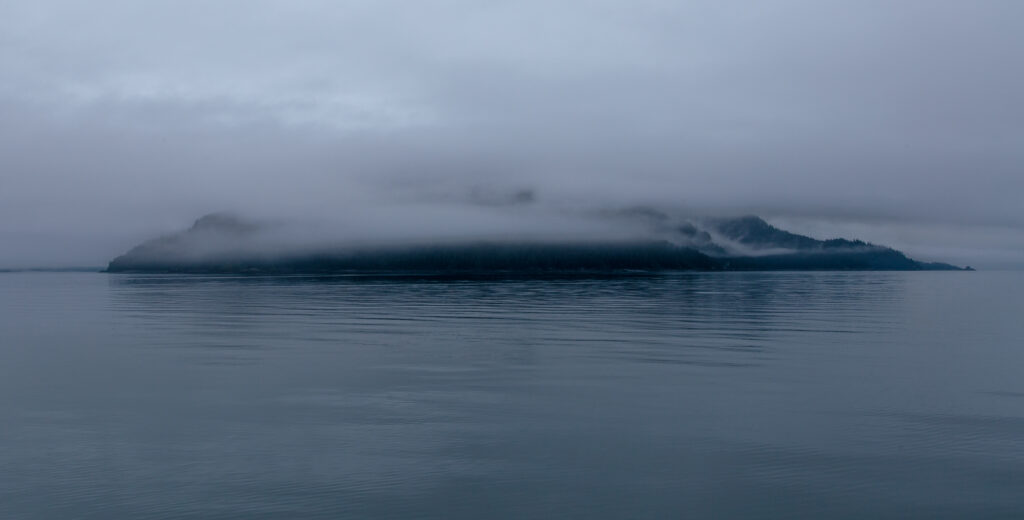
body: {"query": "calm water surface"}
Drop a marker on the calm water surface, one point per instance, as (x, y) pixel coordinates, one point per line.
(713, 395)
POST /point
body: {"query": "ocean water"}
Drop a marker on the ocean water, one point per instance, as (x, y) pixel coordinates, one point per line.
(688, 395)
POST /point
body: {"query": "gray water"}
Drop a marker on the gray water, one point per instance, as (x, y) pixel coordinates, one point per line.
(710, 395)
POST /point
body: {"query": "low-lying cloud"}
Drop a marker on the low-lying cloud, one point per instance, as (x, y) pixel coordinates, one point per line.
(896, 123)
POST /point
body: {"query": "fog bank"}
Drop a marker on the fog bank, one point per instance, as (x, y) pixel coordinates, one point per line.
(901, 123)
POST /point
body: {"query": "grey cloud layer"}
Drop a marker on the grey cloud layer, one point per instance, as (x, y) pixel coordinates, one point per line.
(123, 119)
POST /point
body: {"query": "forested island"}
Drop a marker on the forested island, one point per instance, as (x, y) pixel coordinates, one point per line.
(222, 243)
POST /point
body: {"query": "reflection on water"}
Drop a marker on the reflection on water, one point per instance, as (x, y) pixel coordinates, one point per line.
(724, 395)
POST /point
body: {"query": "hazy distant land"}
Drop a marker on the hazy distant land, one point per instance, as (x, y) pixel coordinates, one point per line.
(221, 243)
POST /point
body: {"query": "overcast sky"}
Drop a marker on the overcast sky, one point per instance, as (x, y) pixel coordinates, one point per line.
(900, 122)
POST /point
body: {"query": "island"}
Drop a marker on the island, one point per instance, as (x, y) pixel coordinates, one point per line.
(224, 243)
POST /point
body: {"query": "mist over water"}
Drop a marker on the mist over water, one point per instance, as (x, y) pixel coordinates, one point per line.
(459, 173)
(122, 123)
(714, 395)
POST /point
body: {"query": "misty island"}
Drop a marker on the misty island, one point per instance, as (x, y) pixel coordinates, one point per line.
(223, 243)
